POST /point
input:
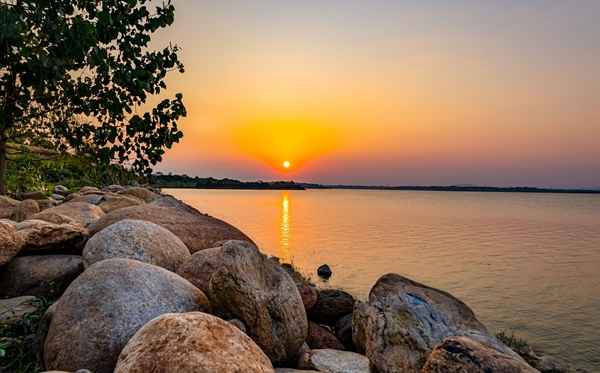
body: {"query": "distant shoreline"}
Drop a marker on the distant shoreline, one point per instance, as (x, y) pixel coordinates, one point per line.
(454, 188)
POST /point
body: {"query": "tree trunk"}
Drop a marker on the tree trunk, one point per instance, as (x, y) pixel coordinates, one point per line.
(2, 166)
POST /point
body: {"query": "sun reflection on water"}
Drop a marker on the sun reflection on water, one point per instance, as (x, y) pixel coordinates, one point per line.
(284, 225)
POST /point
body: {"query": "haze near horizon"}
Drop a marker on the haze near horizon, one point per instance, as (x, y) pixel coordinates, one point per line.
(386, 92)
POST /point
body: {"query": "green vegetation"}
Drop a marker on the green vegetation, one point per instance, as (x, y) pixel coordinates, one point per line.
(160, 180)
(78, 75)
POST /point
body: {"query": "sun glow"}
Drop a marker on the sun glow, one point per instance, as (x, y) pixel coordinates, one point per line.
(286, 164)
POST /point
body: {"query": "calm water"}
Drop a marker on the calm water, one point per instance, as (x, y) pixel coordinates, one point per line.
(529, 262)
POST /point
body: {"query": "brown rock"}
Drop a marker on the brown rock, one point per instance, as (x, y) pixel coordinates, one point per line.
(112, 201)
(25, 210)
(464, 355)
(199, 268)
(318, 338)
(60, 190)
(38, 194)
(112, 188)
(90, 190)
(12, 310)
(92, 199)
(331, 305)
(42, 236)
(189, 343)
(39, 275)
(84, 213)
(8, 206)
(45, 204)
(197, 231)
(248, 286)
(308, 294)
(136, 239)
(104, 307)
(11, 243)
(141, 193)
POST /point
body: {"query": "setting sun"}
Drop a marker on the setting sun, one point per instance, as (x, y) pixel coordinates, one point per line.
(286, 164)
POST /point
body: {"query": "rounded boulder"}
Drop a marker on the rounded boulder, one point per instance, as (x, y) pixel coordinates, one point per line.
(139, 240)
(11, 243)
(199, 268)
(106, 305)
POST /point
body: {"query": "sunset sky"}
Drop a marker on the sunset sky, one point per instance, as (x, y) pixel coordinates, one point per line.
(499, 93)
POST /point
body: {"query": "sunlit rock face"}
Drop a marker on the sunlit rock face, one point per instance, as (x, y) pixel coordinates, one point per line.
(403, 321)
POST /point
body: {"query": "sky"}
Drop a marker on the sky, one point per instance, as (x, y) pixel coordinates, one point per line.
(382, 92)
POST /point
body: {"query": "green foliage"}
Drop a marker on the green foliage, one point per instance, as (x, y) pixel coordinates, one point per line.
(75, 73)
(509, 338)
(184, 181)
(16, 339)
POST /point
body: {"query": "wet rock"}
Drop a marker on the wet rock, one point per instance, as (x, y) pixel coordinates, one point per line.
(189, 343)
(60, 190)
(141, 193)
(45, 237)
(308, 294)
(405, 320)
(82, 212)
(136, 239)
(8, 206)
(248, 286)
(331, 305)
(199, 268)
(464, 355)
(39, 275)
(334, 361)
(319, 338)
(324, 271)
(25, 210)
(343, 332)
(197, 231)
(104, 307)
(11, 243)
(112, 201)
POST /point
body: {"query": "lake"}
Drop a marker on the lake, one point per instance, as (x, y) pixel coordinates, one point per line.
(523, 261)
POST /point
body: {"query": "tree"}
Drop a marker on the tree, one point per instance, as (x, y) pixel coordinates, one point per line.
(75, 72)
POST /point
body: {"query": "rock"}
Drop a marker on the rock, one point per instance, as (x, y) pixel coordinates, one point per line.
(104, 307)
(60, 190)
(308, 294)
(38, 194)
(141, 193)
(464, 355)
(249, 287)
(25, 210)
(92, 199)
(359, 323)
(47, 203)
(291, 370)
(72, 196)
(112, 188)
(8, 206)
(405, 320)
(90, 190)
(136, 239)
(238, 324)
(324, 271)
(168, 201)
(37, 346)
(343, 332)
(197, 231)
(9, 222)
(39, 275)
(334, 361)
(188, 343)
(199, 268)
(12, 310)
(318, 338)
(58, 197)
(42, 236)
(11, 243)
(84, 213)
(331, 305)
(112, 201)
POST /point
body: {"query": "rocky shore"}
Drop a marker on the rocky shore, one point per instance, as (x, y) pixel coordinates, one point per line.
(147, 283)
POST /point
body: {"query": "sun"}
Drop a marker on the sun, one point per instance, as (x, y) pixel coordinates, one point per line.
(286, 164)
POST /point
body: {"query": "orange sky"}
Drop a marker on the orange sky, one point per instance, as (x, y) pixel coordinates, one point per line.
(389, 92)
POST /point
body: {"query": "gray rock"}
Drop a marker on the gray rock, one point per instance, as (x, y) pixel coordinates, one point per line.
(141, 193)
(199, 268)
(249, 287)
(405, 320)
(464, 355)
(112, 201)
(92, 199)
(168, 201)
(48, 237)
(82, 212)
(112, 188)
(25, 210)
(334, 361)
(197, 231)
(60, 190)
(189, 343)
(104, 307)
(58, 197)
(318, 338)
(90, 190)
(11, 242)
(47, 203)
(136, 239)
(12, 310)
(331, 305)
(39, 275)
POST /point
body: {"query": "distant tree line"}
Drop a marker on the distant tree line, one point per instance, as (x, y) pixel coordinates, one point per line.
(161, 180)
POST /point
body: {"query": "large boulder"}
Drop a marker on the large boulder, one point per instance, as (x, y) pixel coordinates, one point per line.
(318, 338)
(136, 239)
(331, 305)
(199, 268)
(334, 361)
(308, 294)
(104, 307)
(25, 210)
(248, 286)
(189, 343)
(11, 242)
(141, 193)
(405, 320)
(48, 237)
(8, 206)
(39, 275)
(112, 201)
(464, 355)
(196, 230)
(83, 213)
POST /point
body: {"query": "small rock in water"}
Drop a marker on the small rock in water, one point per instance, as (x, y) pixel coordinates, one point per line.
(324, 271)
